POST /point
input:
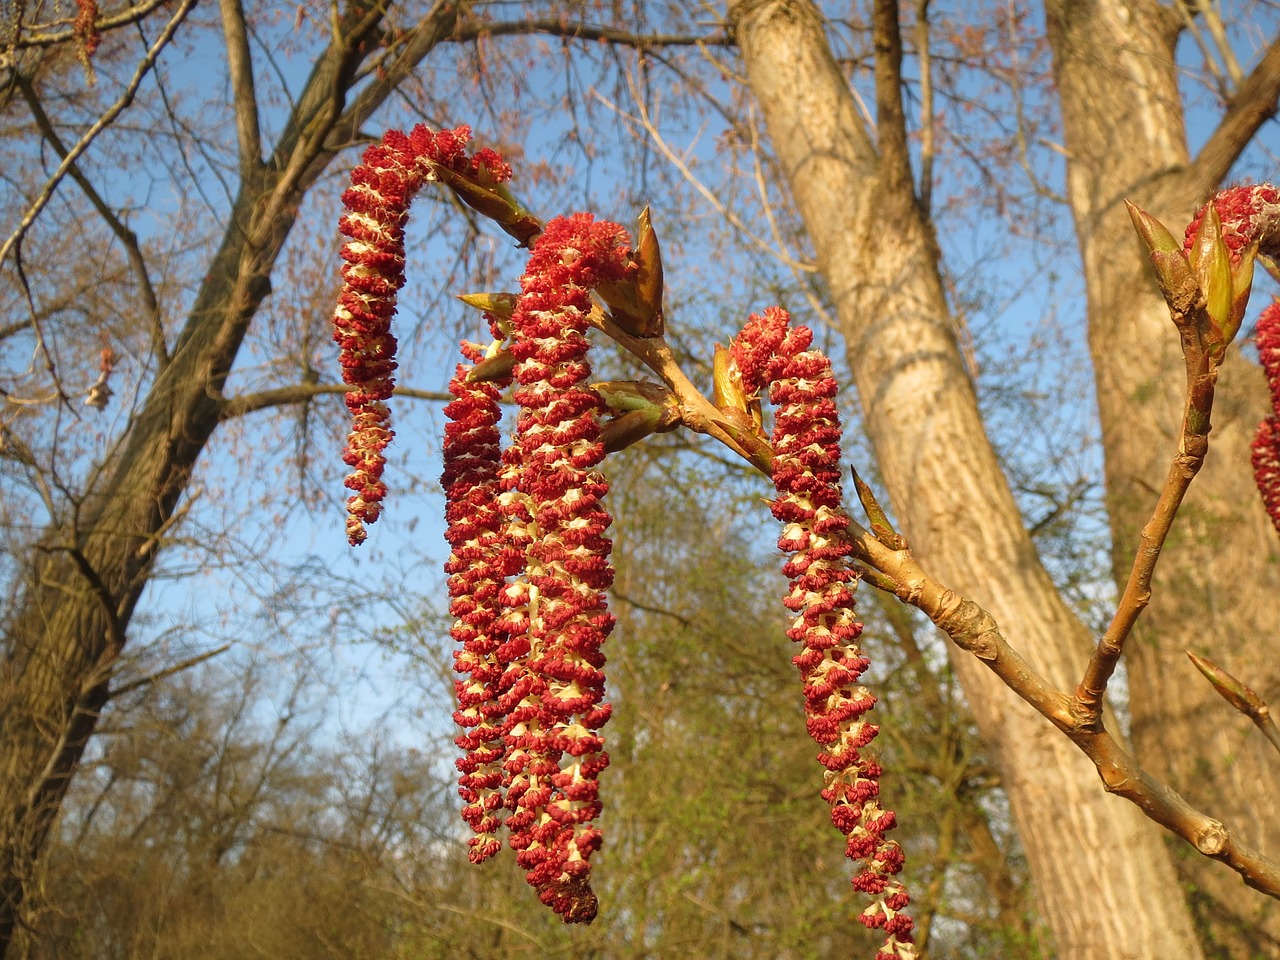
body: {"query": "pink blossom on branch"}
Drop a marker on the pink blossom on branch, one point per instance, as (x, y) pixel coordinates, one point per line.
(806, 473)
(377, 204)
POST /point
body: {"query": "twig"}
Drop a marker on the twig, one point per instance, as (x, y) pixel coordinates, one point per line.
(1202, 375)
(1240, 696)
(973, 629)
(168, 671)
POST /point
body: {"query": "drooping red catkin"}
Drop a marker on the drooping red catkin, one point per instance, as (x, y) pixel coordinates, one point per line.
(556, 615)
(806, 473)
(1248, 213)
(86, 28)
(377, 204)
(1266, 444)
(476, 573)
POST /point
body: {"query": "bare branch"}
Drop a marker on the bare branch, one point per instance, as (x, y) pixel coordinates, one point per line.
(168, 671)
(1193, 444)
(973, 629)
(127, 237)
(238, 406)
(475, 28)
(114, 21)
(240, 65)
(1253, 104)
(99, 125)
(926, 105)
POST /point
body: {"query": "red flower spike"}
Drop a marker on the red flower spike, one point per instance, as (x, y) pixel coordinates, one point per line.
(806, 473)
(476, 573)
(1249, 214)
(1266, 466)
(552, 501)
(1266, 444)
(377, 207)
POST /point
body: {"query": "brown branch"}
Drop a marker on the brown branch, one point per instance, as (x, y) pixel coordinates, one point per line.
(926, 105)
(240, 65)
(891, 122)
(1252, 105)
(168, 671)
(1192, 321)
(241, 404)
(104, 121)
(474, 28)
(973, 629)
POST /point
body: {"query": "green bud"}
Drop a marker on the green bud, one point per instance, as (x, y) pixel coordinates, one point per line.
(1174, 276)
(648, 258)
(1231, 689)
(644, 408)
(494, 201)
(1155, 235)
(497, 365)
(1211, 261)
(501, 305)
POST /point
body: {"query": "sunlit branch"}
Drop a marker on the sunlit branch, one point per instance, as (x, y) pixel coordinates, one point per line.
(644, 123)
(1252, 105)
(974, 630)
(238, 406)
(1192, 447)
(475, 28)
(240, 65)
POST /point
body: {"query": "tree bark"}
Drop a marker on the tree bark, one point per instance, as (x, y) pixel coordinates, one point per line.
(1125, 137)
(1103, 878)
(68, 626)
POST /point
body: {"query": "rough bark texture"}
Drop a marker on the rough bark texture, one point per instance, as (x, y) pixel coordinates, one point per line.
(1104, 881)
(68, 627)
(1215, 587)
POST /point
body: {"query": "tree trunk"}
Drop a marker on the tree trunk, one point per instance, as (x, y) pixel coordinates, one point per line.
(1103, 877)
(1125, 138)
(68, 627)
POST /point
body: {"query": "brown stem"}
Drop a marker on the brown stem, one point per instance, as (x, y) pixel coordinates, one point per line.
(1202, 376)
(973, 629)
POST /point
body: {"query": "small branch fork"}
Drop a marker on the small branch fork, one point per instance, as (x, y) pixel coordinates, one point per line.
(1202, 376)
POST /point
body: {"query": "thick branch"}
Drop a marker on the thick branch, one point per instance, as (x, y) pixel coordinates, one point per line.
(240, 65)
(891, 122)
(973, 629)
(238, 406)
(475, 28)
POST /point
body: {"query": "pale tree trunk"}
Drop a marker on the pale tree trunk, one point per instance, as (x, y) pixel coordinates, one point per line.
(1216, 587)
(67, 628)
(1103, 878)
